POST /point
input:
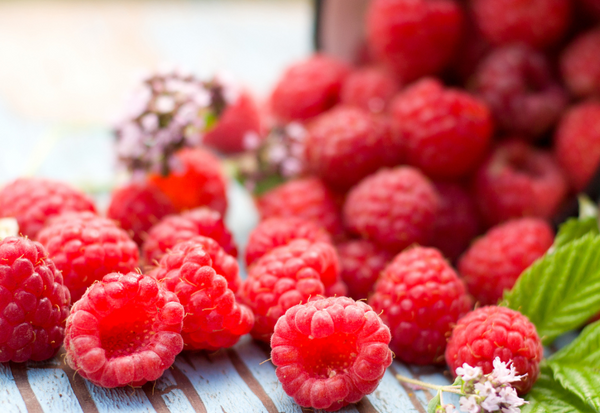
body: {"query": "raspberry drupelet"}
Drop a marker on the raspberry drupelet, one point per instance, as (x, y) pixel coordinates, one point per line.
(330, 352)
(580, 64)
(369, 88)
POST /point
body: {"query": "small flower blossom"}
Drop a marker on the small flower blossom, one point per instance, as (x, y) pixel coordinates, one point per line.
(469, 373)
(469, 404)
(505, 372)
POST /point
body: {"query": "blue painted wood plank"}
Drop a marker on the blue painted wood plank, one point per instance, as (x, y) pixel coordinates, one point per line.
(165, 381)
(119, 400)
(10, 397)
(441, 380)
(404, 371)
(177, 402)
(390, 396)
(53, 390)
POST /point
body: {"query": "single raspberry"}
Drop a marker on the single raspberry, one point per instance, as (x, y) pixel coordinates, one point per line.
(580, 64)
(414, 37)
(369, 88)
(308, 88)
(537, 23)
(457, 220)
(33, 200)
(496, 260)
(284, 277)
(346, 144)
(393, 208)
(330, 352)
(517, 84)
(361, 262)
(34, 303)
(197, 181)
(125, 331)
(86, 247)
(421, 298)
(176, 228)
(444, 132)
(213, 319)
(138, 206)
(306, 198)
(577, 143)
(519, 180)
(275, 232)
(490, 332)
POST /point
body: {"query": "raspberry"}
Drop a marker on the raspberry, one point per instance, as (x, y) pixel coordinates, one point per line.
(33, 200)
(86, 247)
(496, 260)
(346, 144)
(125, 331)
(414, 37)
(519, 180)
(457, 221)
(445, 132)
(306, 198)
(580, 64)
(275, 232)
(361, 262)
(490, 332)
(393, 208)
(577, 143)
(213, 319)
(308, 88)
(421, 298)
(517, 84)
(593, 6)
(284, 277)
(34, 303)
(330, 352)
(538, 23)
(176, 228)
(198, 182)
(137, 206)
(369, 88)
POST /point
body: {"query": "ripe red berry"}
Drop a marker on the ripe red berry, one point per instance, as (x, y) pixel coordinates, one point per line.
(33, 200)
(496, 260)
(580, 64)
(125, 331)
(369, 88)
(34, 302)
(421, 298)
(490, 332)
(330, 352)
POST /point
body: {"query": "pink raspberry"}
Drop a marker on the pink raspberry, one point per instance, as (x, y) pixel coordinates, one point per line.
(369, 88)
(34, 303)
(580, 64)
(421, 298)
(490, 332)
(393, 208)
(496, 260)
(125, 331)
(33, 200)
(444, 132)
(330, 352)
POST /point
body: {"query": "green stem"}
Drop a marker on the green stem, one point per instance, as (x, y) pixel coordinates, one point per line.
(448, 389)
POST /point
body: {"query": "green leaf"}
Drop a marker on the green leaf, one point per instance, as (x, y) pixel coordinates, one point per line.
(561, 290)
(434, 403)
(585, 349)
(574, 229)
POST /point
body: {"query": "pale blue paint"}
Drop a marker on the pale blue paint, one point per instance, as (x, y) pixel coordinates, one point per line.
(119, 400)
(390, 396)
(10, 397)
(53, 390)
(177, 402)
(404, 371)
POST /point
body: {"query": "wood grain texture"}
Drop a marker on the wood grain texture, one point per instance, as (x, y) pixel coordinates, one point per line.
(119, 400)
(390, 396)
(53, 390)
(10, 397)
(176, 402)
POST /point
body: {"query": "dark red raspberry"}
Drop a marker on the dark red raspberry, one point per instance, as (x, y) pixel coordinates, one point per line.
(125, 331)
(34, 303)
(577, 142)
(330, 352)
(86, 247)
(517, 84)
(33, 200)
(593, 6)
(213, 320)
(519, 180)
(472, 48)
(414, 37)
(275, 232)
(306, 198)
(421, 298)
(197, 180)
(444, 132)
(137, 206)
(496, 260)
(394, 208)
(308, 88)
(361, 262)
(580, 64)
(284, 277)
(176, 228)
(346, 144)
(490, 332)
(538, 23)
(369, 88)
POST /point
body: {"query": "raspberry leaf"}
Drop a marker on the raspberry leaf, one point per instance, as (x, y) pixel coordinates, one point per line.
(574, 229)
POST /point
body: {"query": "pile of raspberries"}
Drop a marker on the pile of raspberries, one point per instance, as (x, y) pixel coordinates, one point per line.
(421, 182)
